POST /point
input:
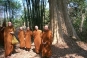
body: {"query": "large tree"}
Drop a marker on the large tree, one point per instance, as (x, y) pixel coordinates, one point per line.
(78, 12)
(60, 22)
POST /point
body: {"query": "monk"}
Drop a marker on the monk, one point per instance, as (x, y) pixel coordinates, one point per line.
(28, 35)
(37, 39)
(2, 33)
(21, 37)
(46, 42)
(8, 36)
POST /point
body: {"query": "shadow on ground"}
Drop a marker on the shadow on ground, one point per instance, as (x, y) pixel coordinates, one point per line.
(73, 49)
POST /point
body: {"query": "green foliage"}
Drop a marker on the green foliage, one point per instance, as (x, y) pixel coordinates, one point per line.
(46, 20)
(76, 24)
(83, 34)
(76, 15)
(18, 22)
(15, 5)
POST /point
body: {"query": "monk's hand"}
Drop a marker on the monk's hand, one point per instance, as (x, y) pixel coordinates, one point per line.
(44, 42)
(24, 38)
(12, 32)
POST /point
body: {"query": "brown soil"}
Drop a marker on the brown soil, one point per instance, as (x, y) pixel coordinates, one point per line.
(75, 49)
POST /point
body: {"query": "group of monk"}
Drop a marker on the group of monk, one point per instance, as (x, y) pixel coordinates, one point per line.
(25, 38)
(42, 40)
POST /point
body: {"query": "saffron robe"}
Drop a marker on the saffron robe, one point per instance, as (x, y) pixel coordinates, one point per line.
(21, 37)
(37, 40)
(8, 40)
(28, 35)
(46, 43)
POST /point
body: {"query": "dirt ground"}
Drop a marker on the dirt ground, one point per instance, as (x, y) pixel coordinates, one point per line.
(75, 49)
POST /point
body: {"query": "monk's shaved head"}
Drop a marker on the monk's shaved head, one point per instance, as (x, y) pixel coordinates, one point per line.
(28, 28)
(21, 28)
(46, 27)
(36, 27)
(9, 23)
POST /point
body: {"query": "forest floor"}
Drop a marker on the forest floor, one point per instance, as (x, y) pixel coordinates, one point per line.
(75, 49)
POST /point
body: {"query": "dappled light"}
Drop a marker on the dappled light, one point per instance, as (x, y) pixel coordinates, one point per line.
(82, 45)
(74, 49)
(43, 26)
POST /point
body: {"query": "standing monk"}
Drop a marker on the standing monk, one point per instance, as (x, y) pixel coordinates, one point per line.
(8, 36)
(37, 39)
(28, 35)
(46, 42)
(2, 33)
(21, 37)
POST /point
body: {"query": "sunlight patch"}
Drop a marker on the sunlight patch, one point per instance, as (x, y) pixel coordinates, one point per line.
(72, 56)
(82, 45)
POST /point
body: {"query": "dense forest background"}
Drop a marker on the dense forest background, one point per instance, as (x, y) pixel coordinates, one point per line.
(37, 12)
(67, 19)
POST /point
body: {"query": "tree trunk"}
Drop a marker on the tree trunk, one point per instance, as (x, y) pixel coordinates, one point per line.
(60, 22)
(82, 21)
(25, 15)
(56, 18)
(71, 31)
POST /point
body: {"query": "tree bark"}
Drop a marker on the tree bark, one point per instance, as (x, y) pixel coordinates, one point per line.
(60, 22)
(82, 21)
(71, 31)
(56, 17)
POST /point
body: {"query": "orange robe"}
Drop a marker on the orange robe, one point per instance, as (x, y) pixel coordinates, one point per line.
(37, 40)
(8, 40)
(21, 36)
(28, 35)
(46, 43)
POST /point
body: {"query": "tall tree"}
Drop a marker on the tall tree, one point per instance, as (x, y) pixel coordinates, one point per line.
(78, 7)
(34, 12)
(60, 22)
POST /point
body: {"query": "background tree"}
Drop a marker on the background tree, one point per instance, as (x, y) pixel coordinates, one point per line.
(77, 13)
(60, 23)
(34, 12)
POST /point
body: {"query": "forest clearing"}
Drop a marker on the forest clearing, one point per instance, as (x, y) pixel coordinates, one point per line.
(66, 21)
